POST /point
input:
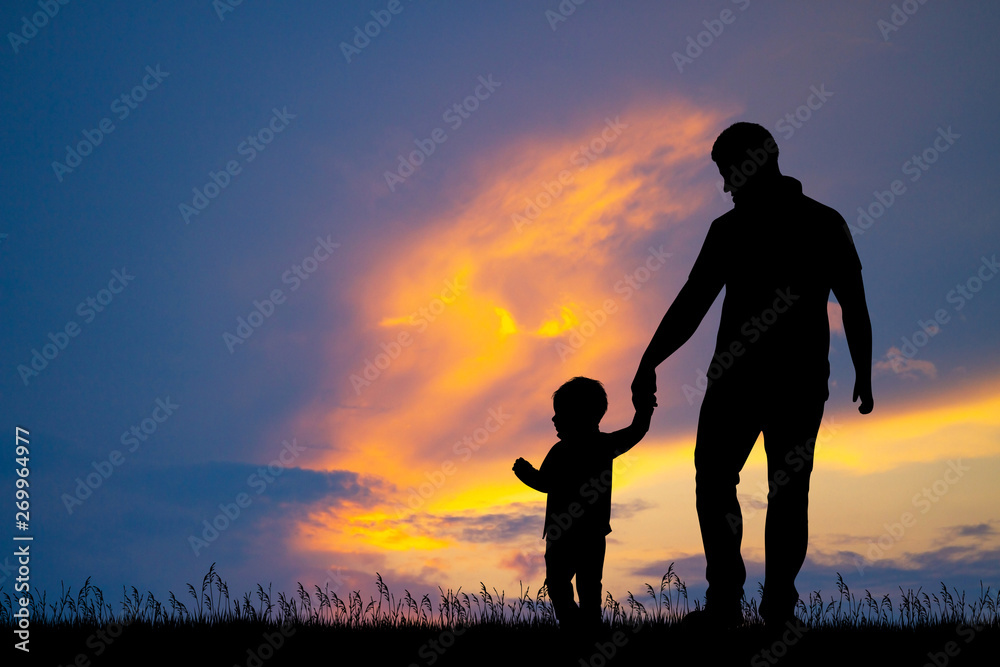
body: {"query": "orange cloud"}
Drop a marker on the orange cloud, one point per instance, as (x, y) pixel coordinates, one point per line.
(473, 320)
(905, 367)
(534, 274)
(471, 316)
(836, 315)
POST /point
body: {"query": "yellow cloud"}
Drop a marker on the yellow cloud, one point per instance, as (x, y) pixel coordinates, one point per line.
(467, 319)
(480, 301)
(484, 293)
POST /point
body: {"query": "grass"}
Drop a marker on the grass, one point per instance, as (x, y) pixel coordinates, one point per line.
(260, 628)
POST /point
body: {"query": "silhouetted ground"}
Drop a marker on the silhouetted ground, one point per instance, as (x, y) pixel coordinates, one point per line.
(257, 645)
(308, 629)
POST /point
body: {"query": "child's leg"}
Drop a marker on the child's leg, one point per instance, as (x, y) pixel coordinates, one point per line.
(588, 578)
(558, 574)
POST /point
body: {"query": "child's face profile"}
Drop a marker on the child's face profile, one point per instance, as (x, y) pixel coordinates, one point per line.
(560, 422)
(570, 422)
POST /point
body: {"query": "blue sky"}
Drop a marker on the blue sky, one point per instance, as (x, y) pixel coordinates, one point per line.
(321, 181)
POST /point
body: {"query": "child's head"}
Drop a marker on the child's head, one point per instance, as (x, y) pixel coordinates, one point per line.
(579, 406)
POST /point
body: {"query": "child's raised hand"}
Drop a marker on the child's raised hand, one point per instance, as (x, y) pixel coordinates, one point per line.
(520, 465)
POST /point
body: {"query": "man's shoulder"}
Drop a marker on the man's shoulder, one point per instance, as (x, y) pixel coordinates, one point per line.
(830, 225)
(721, 227)
(821, 211)
(830, 231)
(726, 219)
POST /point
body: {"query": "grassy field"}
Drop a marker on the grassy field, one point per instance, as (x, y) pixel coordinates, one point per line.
(209, 627)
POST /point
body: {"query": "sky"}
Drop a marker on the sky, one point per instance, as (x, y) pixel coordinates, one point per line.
(290, 298)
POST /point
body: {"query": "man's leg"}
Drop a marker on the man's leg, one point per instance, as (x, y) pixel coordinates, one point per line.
(559, 572)
(728, 427)
(588, 578)
(789, 440)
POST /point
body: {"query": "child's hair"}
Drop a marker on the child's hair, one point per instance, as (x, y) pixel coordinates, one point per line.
(581, 399)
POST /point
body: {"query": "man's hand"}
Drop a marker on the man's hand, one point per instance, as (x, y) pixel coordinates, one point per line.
(863, 390)
(644, 388)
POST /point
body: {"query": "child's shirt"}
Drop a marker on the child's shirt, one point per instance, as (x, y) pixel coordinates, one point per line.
(576, 475)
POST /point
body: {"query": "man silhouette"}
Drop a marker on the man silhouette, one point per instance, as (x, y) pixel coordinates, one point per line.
(779, 254)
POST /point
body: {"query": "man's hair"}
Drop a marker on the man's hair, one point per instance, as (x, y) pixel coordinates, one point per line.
(738, 140)
(581, 399)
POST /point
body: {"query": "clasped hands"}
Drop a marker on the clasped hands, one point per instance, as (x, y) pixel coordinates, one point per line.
(644, 388)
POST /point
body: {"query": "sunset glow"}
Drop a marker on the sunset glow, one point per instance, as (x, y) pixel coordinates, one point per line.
(297, 314)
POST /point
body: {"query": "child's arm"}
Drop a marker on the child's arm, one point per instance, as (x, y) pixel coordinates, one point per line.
(628, 437)
(530, 476)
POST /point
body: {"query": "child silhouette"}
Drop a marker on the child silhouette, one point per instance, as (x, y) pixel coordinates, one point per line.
(576, 475)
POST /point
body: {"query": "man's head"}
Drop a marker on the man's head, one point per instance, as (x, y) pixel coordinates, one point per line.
(579, 406)
(746, 155)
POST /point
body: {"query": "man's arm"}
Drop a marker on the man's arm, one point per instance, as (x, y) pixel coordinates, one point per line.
(684, 314)
(850, 294)
(528, 474)
(677, 326)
